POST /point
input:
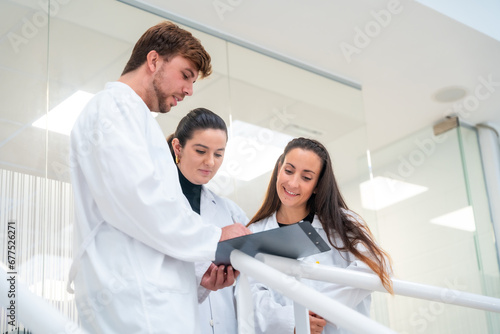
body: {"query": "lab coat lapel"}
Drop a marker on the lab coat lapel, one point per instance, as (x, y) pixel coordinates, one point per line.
(208, 205)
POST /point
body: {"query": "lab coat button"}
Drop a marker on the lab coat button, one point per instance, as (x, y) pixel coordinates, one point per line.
(212, 322)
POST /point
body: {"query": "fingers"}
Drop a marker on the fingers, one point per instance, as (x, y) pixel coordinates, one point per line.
(211, 268)
(311, 313)
(316, 323)
(209, 279)
(220, 278)
(236, 273)
(233, 231)
(230, 276)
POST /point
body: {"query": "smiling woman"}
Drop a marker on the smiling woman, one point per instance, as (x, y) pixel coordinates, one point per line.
(296, 183)
(303, 188)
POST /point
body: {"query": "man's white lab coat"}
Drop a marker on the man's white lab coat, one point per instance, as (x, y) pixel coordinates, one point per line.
(274, 312)
(217, 308)
(136, 236)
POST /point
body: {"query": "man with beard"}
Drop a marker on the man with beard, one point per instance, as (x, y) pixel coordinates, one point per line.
(136, 237)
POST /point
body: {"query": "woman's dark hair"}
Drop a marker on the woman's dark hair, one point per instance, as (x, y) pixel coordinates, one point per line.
(196, 119)
(329, 205)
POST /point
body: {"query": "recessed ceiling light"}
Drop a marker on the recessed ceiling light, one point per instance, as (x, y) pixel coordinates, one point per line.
(381, 192)
(449, 94)
(462, 219)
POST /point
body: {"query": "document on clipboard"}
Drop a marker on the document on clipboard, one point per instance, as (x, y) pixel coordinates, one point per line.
(292, 241)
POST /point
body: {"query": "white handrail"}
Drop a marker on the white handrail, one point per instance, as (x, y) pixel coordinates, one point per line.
(329, 309)
(372, 282)
(34, 312)
(244, 306)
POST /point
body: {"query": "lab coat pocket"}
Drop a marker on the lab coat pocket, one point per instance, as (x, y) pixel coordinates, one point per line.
(164, 273)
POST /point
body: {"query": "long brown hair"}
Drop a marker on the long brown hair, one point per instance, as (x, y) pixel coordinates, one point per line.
(335, 217)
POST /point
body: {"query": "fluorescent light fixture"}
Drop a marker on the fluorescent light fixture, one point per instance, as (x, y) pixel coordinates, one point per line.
(381, 192)
(462, 219)
(251, 151)
(63, 116)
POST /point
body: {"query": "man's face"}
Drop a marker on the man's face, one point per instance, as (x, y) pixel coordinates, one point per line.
(172, 81)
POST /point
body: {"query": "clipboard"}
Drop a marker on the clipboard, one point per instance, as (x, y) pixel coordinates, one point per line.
(292, 241)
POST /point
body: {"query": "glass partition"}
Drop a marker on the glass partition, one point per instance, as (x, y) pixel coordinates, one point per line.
(23, 149)
(56, 52)
(434, 221)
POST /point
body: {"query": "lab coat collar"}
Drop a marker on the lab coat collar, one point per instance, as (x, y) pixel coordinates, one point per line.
(209, 196)
(123, 86)
(273, 223)
(316, 223)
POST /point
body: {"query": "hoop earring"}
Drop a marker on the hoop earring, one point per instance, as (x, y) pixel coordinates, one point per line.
(177, 160)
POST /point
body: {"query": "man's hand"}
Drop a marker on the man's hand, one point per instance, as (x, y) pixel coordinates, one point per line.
(233, 231)
(216, 278)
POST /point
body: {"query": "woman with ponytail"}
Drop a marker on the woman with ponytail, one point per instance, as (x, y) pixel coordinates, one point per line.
(197, 147)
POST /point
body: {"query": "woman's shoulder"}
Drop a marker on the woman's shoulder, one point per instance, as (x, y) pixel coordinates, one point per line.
(257, 226)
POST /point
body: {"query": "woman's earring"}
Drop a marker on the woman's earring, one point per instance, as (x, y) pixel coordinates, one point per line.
(176, 159)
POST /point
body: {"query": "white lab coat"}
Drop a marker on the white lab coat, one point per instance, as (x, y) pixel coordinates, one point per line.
(217, 308)
(274, 312)
(138, 232)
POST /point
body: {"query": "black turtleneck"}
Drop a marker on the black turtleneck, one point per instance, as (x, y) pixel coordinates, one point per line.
(309, 218)
(191, 191)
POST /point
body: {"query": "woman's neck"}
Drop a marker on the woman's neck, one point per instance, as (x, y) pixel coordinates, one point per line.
(191, 191)
(290, 216)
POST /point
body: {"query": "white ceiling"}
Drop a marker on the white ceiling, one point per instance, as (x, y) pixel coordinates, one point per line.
(412, 54)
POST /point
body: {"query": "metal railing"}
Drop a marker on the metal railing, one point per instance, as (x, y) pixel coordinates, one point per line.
(273, 271)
